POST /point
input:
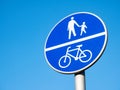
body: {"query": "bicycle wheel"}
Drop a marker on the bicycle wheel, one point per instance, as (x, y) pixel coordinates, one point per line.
(85, 56)
(64, 61)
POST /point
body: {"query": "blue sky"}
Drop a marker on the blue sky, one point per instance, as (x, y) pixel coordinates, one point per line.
(24, 26)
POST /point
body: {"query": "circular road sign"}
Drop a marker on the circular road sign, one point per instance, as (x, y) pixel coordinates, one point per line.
(76, 42)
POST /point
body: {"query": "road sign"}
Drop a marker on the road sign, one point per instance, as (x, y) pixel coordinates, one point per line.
(76, 42)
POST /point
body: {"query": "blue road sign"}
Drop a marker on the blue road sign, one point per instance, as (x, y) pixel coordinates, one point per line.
(76, 42)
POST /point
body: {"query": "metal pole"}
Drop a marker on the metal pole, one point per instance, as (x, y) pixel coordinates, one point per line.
(80, 81)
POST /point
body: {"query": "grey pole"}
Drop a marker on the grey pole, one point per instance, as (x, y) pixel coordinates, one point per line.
(80, 81)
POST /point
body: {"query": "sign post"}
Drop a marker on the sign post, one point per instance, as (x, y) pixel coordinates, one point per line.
(75, 43)
(80, 81)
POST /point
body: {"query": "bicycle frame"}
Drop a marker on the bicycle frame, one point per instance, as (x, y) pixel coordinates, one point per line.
(78, 49)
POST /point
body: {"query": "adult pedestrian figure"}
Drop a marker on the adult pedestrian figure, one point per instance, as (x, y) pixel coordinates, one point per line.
(71, 27)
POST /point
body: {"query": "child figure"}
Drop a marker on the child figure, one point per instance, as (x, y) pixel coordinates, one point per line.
(83, 27)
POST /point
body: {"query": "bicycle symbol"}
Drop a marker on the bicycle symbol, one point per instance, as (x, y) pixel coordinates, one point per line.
(82, 55)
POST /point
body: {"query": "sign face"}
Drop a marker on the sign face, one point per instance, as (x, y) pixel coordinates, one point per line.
(76, 42)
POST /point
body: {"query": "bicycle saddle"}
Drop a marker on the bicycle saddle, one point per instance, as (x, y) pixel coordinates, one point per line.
(79, 45)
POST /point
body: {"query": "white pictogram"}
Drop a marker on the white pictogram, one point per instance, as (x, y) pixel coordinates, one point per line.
(82, 55)
(83, 27)
(71, 28)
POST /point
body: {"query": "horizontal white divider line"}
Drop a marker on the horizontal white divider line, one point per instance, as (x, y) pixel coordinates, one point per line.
(75, 41)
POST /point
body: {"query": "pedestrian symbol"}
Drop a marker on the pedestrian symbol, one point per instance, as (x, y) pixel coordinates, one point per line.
(71, 27)
(83, 27)
(76, 42)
